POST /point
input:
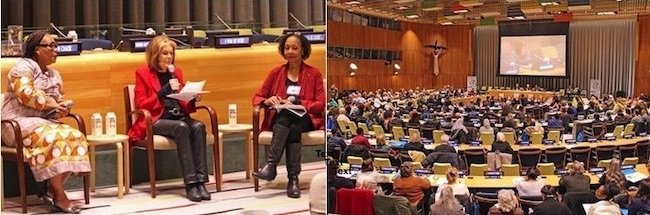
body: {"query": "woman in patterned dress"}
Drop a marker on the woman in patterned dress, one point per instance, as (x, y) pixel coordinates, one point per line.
(34, 99)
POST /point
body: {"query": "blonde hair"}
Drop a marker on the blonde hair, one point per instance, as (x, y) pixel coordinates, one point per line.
(155, 47)
(501, 137)
(447, 200)
(381, 140)
(615, 173)
(452, 175)
(415, 138)
(507, 201)
(604, 208)
(576, 168)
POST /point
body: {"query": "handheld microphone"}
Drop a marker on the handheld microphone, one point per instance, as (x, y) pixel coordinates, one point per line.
(171, 69)
(292, 99)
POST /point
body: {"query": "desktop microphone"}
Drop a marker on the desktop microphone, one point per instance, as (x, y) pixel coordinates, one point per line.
(171, 69)
(57, 30)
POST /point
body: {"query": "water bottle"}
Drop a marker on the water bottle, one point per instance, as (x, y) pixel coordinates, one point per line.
(96, 124)
(232, 114)
(111, 124)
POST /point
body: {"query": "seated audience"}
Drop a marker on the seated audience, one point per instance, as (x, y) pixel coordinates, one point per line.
(641, 203)
(444, 145)
(443, 153)
(501, 145)
(551, 204)
(410, 186)
(452, 181)
(336, 141)
(415, 143)
(507, 204)
(447, 204)
(381, 143)
(360, 139)
(368, 178)
(612, 183)
(486, 128)
(531, 186)
(460, 132)
(575, 181)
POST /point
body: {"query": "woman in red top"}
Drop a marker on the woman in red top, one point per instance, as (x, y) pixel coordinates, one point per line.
(171, 117)
(293, 83)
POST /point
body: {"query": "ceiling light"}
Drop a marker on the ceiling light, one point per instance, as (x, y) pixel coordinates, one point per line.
(402, 7)
(353, 69)
(403, 1)
(607, 13)
(470, 3)
(353, 2)
(447, 23)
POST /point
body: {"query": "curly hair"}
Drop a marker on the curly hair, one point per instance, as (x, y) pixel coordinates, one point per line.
(507, 201)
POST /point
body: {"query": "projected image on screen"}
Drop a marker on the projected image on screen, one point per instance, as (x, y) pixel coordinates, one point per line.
(533, 55)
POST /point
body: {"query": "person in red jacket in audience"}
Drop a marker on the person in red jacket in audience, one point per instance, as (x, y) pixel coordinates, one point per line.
(360, 139)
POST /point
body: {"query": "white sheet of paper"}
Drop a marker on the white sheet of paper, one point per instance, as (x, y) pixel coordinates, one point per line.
(189, 91)
(296, 109)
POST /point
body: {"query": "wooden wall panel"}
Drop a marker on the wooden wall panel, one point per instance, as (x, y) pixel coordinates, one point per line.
(642, 73)
(94, 81)
(417, 61)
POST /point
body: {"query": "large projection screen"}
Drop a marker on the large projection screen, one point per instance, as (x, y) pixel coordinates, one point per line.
(539, 55)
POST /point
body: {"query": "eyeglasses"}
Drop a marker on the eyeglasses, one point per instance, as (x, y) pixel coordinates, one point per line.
(52, 45)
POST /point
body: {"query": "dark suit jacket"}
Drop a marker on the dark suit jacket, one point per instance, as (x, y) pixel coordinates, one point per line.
(503, 147)
(551, 207)
(147, 86)
(312, 94)
(574, 183)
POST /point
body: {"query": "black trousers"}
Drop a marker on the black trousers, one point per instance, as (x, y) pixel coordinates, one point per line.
(189, 135)
(295, 123)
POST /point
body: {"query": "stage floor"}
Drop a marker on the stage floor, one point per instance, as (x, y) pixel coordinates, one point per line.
(237, 197)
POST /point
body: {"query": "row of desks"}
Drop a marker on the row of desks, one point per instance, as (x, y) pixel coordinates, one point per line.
(481, 182)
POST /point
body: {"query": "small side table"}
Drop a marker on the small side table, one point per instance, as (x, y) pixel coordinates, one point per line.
(122, 165)
(241, 129)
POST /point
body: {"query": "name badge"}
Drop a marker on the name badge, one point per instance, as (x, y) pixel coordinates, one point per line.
(293, 90)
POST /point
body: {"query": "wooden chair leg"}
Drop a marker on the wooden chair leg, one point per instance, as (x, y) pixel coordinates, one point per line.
(21, 185)
(152, 171)
(86, 179)
(256, 166)
(217, 165)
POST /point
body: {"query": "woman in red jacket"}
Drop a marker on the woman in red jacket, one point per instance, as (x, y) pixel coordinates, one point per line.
(171, 117)
(291, 83)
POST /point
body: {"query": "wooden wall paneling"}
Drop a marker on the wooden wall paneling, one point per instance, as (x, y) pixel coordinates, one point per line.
(642, 72)
(94, 81)
(417, 63)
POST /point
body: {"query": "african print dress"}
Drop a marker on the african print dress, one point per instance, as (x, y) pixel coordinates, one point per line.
(51, 148)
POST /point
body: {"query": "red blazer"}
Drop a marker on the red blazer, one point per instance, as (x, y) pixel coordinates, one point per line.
(312, 94)
(147, 86)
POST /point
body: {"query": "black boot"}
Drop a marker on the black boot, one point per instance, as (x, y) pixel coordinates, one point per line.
(293, 169)
(280, 134)
(192, 192)
(203, 192)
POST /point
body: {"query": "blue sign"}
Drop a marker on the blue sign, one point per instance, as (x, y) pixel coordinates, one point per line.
(232, 41)
(68, 48)
(492, 174)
